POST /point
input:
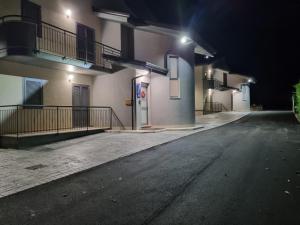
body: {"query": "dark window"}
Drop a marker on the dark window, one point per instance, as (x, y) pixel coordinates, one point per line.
(225, 79)
(127, 42)
(31, 12)
(85, 43)
(33, 91)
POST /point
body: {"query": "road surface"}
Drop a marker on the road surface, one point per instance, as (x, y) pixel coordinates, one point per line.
(244, 173)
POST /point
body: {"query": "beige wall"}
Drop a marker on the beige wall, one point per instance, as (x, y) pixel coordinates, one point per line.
(111, 33)
(53, 12)
(11, 91)
(199, 98)
(57, 90)
(10, 7)
(152, 47)
(113, 90)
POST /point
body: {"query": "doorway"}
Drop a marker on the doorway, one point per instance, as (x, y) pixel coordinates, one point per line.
(80, 102)
(85, 43)
(144, 104)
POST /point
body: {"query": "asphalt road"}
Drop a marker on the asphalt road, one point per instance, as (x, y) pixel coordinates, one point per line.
(244, 173)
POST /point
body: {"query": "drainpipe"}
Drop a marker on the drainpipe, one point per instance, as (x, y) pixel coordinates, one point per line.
(133, 101)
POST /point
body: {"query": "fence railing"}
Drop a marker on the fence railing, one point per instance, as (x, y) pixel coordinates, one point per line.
(211, 83)
(57, 41)
(29, 119)
(213, 107)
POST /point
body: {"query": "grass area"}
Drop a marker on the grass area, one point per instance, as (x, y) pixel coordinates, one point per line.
(297, 100)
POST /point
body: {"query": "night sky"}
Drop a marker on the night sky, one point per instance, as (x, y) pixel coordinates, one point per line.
(257, 37)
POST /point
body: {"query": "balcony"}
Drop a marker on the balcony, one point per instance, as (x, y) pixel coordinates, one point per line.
(22, 36)
(211, 83)
(34, 125)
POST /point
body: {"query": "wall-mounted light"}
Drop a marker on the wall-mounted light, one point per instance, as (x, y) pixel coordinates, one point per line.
(68, 13)
(207, 57)
(70, 77)
(209, 72)
(250, 80)
(184, 40)
(210, 91)
(234, 91)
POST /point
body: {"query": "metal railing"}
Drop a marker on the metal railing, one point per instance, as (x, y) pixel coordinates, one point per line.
(57, 41)
(211, 83)
(29, 119)
(213, 107)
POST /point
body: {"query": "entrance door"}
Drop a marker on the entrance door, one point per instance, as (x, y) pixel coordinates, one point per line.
(144, 104)
(85, 43)
(80, 101)
(32, 13)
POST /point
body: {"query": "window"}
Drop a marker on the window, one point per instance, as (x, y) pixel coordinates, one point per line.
(32, 13)
(33, 91)
(225, 79)
(173, 65)
(85, 43)
(244, 92)
(127, 42)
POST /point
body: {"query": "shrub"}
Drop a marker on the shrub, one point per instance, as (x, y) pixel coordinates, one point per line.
(297, 99)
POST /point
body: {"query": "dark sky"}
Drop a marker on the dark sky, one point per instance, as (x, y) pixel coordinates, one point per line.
(256, 37)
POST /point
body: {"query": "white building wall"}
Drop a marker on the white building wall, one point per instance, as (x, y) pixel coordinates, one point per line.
(165, 111)
(111, 33)
(114, 90)
(242, 103)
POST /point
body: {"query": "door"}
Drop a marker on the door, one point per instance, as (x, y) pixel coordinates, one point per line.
(80, 101)
(85, 43)
(144, 105)
(32, 13)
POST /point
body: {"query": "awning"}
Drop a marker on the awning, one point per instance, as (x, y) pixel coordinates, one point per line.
(136, 64)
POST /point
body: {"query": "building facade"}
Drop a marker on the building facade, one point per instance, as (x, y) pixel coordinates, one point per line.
(217, 90)
(65, 64)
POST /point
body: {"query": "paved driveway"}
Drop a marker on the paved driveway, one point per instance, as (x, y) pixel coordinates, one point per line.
(244, 173)
(23, 169)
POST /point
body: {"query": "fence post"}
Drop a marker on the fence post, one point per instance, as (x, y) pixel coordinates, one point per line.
(111, 116)
(57, 122)
(87, 118)
(65, 45)
(17, 123)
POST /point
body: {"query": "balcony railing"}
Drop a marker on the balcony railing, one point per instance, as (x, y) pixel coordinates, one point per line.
(211, 83)
(60, 42)
(213, 107)
(30, 119)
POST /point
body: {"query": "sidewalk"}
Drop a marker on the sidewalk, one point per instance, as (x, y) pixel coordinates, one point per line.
(23, 169)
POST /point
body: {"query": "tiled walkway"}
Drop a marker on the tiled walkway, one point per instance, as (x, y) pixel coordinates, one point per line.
(23, 169)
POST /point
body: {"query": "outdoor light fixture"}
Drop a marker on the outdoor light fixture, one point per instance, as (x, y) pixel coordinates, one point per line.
(70, 77)
(250, 80)
(209, 72)
(184, 40)
(68, 13)
(71, 68)
(234, 91)
(207, 57)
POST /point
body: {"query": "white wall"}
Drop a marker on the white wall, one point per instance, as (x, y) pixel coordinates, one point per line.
(113, 90)
(11, 90)
(223, 97)
(111, 33)
(240, 104)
